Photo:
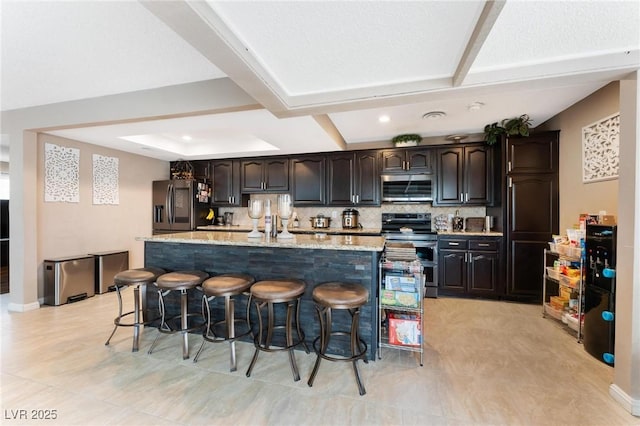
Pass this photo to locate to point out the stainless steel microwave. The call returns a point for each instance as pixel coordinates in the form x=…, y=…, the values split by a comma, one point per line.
x=407, y=188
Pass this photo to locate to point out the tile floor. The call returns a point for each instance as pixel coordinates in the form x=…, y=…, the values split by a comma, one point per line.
x=486, y=363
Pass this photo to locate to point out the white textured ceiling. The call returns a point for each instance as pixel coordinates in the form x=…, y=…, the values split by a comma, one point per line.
x=346, y=61
x=55, y=51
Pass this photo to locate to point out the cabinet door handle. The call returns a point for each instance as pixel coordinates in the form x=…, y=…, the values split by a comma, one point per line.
x=508, y=166
x=357, y=199
x=461, y=197
x=483, y=245
x=453, y=244
x=510, y=182
x=466, y=197
x=408, y=165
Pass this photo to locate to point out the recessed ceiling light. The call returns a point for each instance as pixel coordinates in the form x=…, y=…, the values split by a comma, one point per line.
x=434, y=115
x=456, y=138
x=186, y=138
x=384, y=119
x=475, y=106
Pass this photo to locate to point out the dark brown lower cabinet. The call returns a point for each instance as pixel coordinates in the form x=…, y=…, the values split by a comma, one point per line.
x=469, y=266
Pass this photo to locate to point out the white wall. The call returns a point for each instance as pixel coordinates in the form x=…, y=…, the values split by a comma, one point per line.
x=575, y=196
x=68, y=229
x=20, y=128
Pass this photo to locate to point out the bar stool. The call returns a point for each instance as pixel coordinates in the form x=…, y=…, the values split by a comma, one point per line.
x=137, y=278
x=178, y=281
x=268, y=293
x=227, y=286
x=339, y=295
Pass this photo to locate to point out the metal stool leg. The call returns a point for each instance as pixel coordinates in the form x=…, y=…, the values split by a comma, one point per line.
x=229, y=307
x=206, y=312
x=324, y=341
x=136, y=318
x=355, y=346
x=163, y=324
x=184, y=324
x=116, y=322
x=289, y=337
x=257, y=338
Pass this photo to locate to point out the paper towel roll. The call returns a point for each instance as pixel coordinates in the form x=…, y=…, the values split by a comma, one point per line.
x=488, y=221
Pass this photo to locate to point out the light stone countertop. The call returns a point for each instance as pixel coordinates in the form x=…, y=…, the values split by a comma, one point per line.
x=300, y=241
x=471, y=234
x=300, y=230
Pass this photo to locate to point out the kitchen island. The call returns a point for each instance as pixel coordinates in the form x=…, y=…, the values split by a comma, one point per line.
x=312, y=258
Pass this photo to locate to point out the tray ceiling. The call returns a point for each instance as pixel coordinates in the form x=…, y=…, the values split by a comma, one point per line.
x=334, y=65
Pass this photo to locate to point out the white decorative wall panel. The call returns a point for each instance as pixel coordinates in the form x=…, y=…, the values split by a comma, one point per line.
x=600, y=149
x=105, y=180
x=61, y=174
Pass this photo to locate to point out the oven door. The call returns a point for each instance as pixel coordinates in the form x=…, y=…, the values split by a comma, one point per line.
x=427, y=252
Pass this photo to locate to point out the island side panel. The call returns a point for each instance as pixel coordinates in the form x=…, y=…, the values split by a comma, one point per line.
x=314, y=266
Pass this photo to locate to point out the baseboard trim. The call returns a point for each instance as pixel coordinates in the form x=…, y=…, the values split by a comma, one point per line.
x=628, y=403
x=18, y=307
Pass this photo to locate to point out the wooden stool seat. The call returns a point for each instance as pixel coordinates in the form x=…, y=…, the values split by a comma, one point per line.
x=138, y=278
x=181, y=281
x=226, y=286
x=278, y=291
x=346, y=296
x=339, y=295
x=266, y=294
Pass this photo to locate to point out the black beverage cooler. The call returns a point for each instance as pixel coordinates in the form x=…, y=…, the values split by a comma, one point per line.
x=600, y=297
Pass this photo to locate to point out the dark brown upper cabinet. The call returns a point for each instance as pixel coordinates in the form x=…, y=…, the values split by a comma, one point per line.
x=537, y=154
x=226, y=183
x=464, y=175
x=353, y=179
x=406, y=161
x=307, y=180
x=264, y=175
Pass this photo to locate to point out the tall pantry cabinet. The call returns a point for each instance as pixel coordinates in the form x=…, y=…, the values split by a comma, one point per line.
x=526, y=208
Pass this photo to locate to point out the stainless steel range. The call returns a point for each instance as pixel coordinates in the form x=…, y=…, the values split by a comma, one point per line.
x=416, y=228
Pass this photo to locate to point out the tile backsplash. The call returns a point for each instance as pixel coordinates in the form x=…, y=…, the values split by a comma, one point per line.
x=370, y=217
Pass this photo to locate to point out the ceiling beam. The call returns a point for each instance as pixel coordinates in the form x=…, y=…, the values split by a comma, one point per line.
x=487, y=18
x=330, y=128
x=200, y=26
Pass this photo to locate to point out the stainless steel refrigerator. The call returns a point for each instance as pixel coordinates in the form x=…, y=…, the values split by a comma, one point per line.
x=180, y=205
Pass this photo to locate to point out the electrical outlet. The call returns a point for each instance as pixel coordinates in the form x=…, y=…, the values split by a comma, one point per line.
x=334, y=214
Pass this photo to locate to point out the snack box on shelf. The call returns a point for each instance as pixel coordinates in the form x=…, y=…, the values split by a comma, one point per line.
x=565, y=293
x=566, y=250
x=404, y=329
x=558, y=302
x=572, y=321
x=568, y=281
x=400, y=282
x=553, y=272
x=399, y=298
x=552, y=312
